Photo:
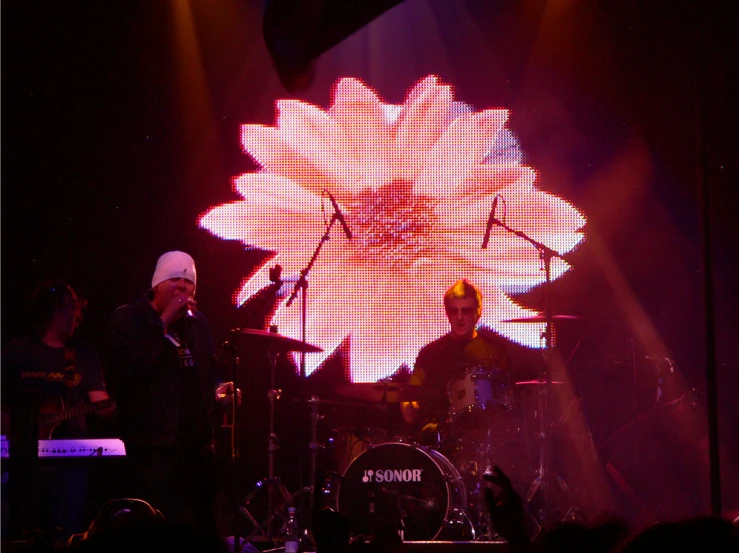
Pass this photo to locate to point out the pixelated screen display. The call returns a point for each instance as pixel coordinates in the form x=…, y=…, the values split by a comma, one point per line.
x=416, y=184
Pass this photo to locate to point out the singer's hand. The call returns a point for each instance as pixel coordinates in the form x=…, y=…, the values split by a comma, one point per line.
x=177, y=308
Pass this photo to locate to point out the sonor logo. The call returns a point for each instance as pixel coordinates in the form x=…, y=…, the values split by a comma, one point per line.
x=392, y=475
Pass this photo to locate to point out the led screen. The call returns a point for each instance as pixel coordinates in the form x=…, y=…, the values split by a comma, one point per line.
x=415, y=184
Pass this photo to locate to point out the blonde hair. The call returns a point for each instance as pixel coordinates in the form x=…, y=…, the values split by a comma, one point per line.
x=463, y=288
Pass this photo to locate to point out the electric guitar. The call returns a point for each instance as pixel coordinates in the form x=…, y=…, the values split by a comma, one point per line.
x=52, y=413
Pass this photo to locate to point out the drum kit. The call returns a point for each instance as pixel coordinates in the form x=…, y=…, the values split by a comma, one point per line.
x=426, y=491
x=429, y=486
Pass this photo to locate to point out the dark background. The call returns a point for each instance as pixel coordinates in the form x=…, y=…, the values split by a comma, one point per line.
x=120, y=125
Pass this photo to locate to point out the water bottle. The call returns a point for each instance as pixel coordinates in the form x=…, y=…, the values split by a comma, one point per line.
x=292, y=536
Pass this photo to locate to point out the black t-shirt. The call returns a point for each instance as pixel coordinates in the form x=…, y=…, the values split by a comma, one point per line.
x=443, y=363
x=29, y=365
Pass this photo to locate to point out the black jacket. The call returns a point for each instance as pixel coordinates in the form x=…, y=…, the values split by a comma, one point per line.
x=147, y=381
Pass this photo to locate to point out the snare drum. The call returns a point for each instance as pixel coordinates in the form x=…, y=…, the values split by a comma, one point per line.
x=416, y=488
x=482, y=399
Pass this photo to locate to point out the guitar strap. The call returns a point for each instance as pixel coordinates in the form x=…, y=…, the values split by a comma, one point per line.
x=69, y=366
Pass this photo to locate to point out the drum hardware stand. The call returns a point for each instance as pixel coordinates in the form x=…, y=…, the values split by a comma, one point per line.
x=232, y=346
x=543, y=478
x=273, y=483
x=573, y=513
x=314, y=444
x=263, y=529
x=461, y=515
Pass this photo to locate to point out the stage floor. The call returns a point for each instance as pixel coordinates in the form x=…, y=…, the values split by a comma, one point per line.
x=442, y=547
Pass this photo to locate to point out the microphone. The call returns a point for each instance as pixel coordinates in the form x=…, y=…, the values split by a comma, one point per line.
x=340, y=216
x=486, y=239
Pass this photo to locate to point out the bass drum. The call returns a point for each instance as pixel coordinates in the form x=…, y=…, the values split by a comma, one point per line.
x=416, y=490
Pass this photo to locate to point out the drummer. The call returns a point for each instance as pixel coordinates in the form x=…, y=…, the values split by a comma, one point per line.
x=449, y=356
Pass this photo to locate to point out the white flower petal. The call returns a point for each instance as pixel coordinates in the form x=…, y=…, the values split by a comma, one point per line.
x=359, y=112
x=457, y=152
x=270, y=149
x=422, y=121
x=311, y=132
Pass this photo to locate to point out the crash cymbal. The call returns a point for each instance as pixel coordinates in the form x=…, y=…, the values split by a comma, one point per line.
x=537, y=382
x=386, y=392
x=276, y=342
x=541, y=318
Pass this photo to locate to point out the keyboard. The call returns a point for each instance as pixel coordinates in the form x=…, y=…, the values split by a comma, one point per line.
x=80, y=448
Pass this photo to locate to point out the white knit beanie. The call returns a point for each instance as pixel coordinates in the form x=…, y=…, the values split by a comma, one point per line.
x=174, y=265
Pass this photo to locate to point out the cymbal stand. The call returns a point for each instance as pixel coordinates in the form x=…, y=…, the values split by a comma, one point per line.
x=541, y=472
x=314, y=444
x=543, y=481
x=273, y=483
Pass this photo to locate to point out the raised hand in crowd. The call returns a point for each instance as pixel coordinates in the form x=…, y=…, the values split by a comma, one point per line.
x=506, y=510
x=331, y=530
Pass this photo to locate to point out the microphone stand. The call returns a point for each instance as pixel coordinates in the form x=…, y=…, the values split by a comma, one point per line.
x=301, y=286
x=546, y=254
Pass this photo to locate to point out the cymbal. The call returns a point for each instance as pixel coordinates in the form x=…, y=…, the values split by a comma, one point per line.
x=537, y=382
x=386, y=392
x=276, y=342
x=541, y=318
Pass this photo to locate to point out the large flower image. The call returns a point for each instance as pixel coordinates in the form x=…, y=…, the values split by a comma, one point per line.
x=415, y=183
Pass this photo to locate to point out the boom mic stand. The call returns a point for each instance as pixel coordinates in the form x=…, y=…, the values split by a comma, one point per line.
x=301, y=287
x=546, y=254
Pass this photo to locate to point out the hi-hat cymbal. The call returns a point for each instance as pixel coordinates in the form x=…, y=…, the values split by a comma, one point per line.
x=541, y=318
x=537, y=382
x=386, y=392
x=276, y=342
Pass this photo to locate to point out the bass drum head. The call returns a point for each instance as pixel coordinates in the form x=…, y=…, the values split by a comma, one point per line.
x=414, y=490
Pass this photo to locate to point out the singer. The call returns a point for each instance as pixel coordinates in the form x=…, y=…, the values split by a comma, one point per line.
x=162, y=373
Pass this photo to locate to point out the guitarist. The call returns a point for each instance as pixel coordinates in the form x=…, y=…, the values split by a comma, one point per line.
x=58, y=372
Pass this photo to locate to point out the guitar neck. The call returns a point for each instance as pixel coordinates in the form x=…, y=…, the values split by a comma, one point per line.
x=75, y=412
